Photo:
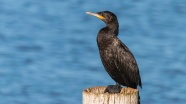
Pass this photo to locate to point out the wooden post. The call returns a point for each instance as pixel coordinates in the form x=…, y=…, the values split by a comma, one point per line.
x=96, y=95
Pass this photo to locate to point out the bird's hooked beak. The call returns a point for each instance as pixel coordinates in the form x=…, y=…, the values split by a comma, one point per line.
x=96, y=15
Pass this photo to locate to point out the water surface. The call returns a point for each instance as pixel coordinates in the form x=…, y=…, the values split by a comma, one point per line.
x=49, y=53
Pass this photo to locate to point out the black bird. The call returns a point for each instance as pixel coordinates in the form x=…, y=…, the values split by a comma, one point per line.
x=117, y=59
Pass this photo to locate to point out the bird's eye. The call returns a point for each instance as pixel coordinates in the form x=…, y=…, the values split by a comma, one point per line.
x=109, y=17
x=102, y=14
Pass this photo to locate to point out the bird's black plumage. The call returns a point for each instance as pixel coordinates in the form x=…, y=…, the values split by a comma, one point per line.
x=117, y=59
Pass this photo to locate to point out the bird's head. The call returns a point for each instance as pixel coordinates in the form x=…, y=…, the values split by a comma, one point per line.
x=106, y=16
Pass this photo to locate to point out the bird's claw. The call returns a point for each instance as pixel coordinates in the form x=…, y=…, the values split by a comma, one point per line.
x=113, y=88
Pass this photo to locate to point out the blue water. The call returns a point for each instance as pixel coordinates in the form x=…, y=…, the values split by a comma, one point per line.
x=49, y=54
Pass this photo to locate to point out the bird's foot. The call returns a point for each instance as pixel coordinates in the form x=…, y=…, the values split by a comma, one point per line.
x=113, y=88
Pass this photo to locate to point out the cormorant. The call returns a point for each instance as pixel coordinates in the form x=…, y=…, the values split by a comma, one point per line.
x=117, y=59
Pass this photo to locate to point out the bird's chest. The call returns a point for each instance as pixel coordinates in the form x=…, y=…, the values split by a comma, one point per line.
x=104, y=42
x=106, y=47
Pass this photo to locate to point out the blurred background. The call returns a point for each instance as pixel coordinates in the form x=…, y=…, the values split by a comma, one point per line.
x=49, y=54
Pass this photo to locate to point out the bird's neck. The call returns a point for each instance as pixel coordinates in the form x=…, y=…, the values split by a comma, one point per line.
x=113, y=28
x=110, y=29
